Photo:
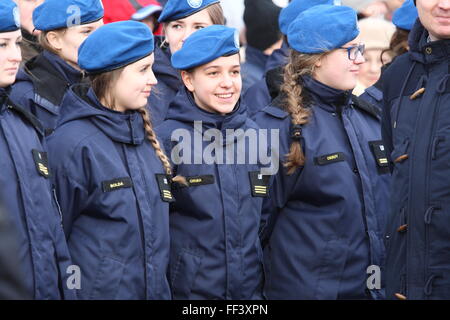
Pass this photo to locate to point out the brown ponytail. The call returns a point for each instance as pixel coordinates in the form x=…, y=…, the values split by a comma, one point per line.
x=299, y=64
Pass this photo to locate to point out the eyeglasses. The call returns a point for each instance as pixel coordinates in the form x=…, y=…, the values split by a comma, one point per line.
x=354, y=50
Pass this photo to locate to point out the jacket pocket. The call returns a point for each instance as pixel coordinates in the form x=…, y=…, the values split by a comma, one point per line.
x=331, y=267
x=107, y=279
x=183, y=273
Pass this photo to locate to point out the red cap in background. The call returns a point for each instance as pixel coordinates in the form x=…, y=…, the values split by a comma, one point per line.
x=120, y=10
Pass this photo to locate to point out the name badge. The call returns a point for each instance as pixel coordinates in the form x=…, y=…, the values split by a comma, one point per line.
x=115, y=184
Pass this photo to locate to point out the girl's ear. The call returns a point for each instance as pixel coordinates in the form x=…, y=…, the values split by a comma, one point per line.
x=188, y=80
x=318, y=63
x=54, y=40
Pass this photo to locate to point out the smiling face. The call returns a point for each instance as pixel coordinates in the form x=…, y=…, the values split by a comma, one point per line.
x=134, y=85
x=67, y=41
x=217, y=85
x=178, y=31
x=10, y=57
x=435, y=17
x=336, y=70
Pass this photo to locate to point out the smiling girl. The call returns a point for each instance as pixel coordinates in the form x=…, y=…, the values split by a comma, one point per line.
x=215, y=249
x=328, y=204
x=64, y=25
x=112, y=177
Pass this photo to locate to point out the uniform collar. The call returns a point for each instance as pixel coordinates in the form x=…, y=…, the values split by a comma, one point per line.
x=328, y=98
x=424, y=51
x=4, y=92
x=125, y=127
x=183, y=108
x=69, y=73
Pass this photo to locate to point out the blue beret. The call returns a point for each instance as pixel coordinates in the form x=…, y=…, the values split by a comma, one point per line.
x=56, y=14
x=323, y=28
x=206, y=45
x=9, y=12
x=405, y=16
x=180, y=9
x=115, y=45
x=295, y=7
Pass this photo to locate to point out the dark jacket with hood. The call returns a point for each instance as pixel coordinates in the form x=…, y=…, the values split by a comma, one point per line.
x=214, y=223
x=26, y=191
x=328, y=217
x=110, y=186
x=41, y=85
x=416, y=124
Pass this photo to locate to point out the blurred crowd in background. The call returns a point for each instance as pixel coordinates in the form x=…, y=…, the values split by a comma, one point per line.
x=260, y=35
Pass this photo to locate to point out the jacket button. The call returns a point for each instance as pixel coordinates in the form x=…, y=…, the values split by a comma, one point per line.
x=402, y=228
x=428, y=50
x=355, y=170
x=400, y=296
x=401, y=158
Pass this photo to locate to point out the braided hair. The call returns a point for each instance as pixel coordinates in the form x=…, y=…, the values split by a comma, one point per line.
x=299, y=64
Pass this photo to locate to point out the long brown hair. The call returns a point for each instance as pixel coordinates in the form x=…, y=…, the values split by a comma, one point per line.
x=102, y=84
x=299, y=64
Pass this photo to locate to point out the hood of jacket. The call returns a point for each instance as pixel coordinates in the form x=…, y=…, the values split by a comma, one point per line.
x=80, y=102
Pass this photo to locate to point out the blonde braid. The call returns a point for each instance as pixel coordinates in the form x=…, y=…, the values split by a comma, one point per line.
x=299, y=65
x=151, y=136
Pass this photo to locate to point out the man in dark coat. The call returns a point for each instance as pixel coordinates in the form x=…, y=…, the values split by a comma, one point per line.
x=416, y=129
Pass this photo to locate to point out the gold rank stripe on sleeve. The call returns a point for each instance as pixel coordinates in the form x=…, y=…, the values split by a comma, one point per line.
x=167, y=194
x=259, y=184
x=165, y=184
x=43, y=169
x=41, y=162
x=260, y=189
